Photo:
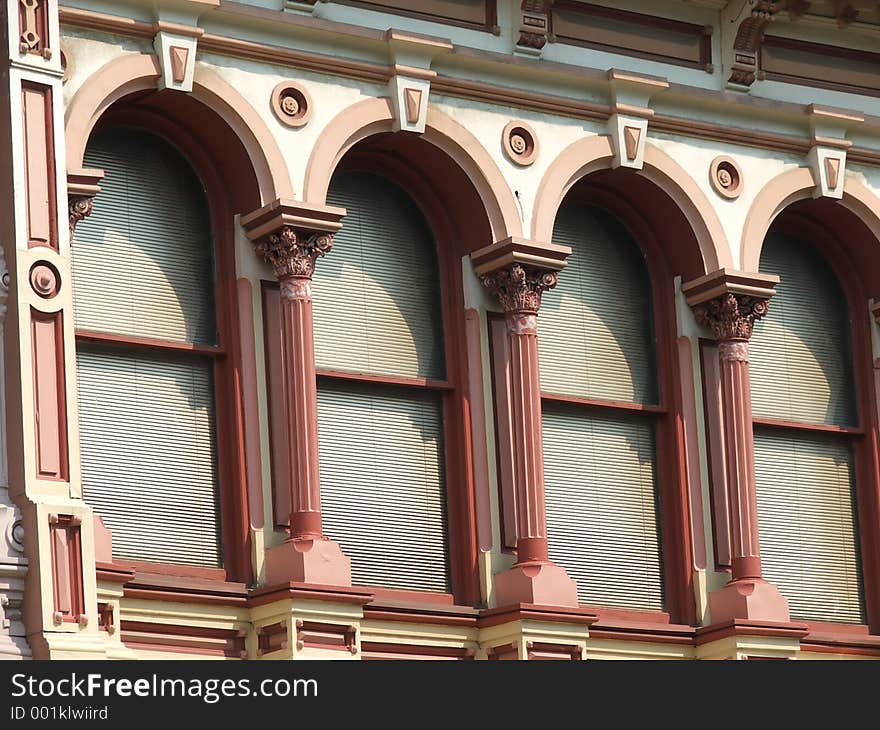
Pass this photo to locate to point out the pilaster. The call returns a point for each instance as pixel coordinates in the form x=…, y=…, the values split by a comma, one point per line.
x=729, y=304
x=518, y=272
x=59, y=609
x=291, y=237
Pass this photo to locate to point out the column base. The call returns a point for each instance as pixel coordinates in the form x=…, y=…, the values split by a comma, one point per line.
x=752, y=599
x=308, y=560
x=545, y=584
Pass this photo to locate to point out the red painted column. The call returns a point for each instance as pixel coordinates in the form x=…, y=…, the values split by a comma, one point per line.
x=534, y=578
x=307, y=555
x=731, y=315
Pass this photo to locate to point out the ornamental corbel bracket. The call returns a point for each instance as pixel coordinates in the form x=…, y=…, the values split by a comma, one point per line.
x=534, y=27
x=745, y=54
x=82, y=187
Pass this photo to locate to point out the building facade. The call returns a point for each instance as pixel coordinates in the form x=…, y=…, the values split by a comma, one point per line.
x=458, y=329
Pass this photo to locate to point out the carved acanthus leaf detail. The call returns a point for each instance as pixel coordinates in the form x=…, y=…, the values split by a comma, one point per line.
x=747, y=44
x=519, y=288
x=78, y=208
x=293, y=253
x=731, y=316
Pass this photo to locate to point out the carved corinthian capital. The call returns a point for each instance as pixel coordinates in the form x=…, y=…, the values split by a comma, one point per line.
x=519, y=288
x=731, y=316
x=730, y=302
x=292, y=253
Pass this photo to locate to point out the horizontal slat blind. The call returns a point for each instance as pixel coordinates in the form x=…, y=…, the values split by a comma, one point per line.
x=602, y=523
x=800, y=364
x=142, y=261
x=382, y=483
x=596, y=329
x=149, y=453
x=376, y=297
x=806, y=517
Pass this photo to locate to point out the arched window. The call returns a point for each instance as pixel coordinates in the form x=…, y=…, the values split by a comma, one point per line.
x=147, y=343
x=805, y=416
x=380, y=356
x=601, y=404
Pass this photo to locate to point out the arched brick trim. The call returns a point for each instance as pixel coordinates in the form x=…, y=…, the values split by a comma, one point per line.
x=788, y=188
x=595, y=153
x=139, y=71
x=374, y=116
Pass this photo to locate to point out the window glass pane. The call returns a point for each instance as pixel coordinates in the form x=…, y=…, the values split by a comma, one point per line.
x=149, y=453
x=377, y=296
x=383, y=486
x=806, y=517
x=596, y=332
x=602, y=505
x=800, y=353
x=142, y=262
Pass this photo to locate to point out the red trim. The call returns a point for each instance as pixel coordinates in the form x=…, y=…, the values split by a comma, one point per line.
x=706, y=634
x=147, y=343
x=43, y=177
x=183, y=639
x=415, y=597
x=144, y=567
x=532, y=612
x=310, y=591
x=386, y=379
x=710, y=368
x=113, y=573
x=598, y=403
x=50, y=395
x=381, y=609
x=489, y=24
x=798, y=426
x=413, y=651
x=644, y=30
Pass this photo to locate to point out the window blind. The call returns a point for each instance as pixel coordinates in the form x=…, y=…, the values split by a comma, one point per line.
x=142, y=263
x=596, y=329
x=376, y=298
x=597, y=342
x=800, y=354
x=382, y=483
x=602, y=508
x=806, y=518
x=149, y=453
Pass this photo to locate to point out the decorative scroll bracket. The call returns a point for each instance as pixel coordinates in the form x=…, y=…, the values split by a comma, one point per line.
x=628, y=123
x=410, y=85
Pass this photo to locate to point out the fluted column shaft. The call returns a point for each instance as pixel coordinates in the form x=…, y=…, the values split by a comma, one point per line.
x=292, y=254
x=739, y=444
x=518, y=272
x=300, y=405
x=531, y=514
x=731, y=318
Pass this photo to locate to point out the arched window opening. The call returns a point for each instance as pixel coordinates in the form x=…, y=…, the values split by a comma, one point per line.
x=805, y=415
x=147, y=342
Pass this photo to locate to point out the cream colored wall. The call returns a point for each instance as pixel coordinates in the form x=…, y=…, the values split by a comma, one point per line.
x=561, y=72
